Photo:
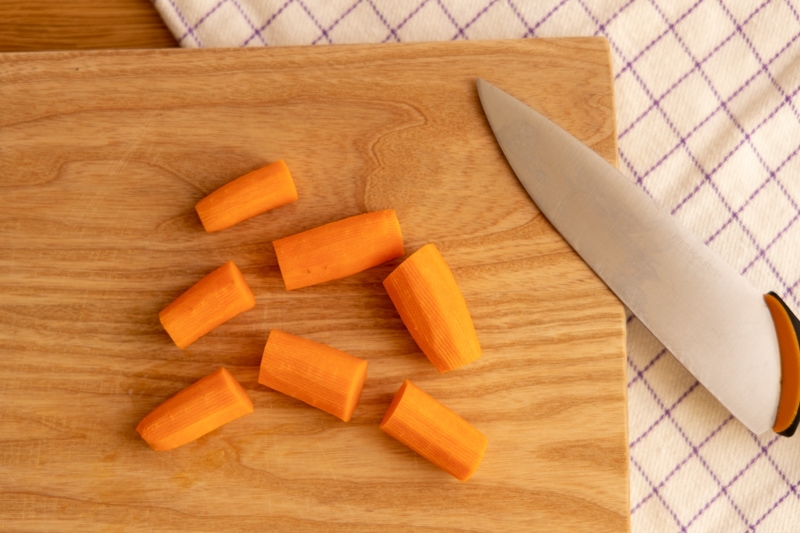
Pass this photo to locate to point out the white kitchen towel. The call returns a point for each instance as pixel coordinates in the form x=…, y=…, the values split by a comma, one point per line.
x=709, y=125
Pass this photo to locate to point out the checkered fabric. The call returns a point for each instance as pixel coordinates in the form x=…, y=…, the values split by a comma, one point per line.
x=707, y=110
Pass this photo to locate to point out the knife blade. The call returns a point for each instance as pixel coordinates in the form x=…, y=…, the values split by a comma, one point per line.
x=740, y=344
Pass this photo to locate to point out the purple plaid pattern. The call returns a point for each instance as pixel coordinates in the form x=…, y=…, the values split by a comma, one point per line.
x=709, y=126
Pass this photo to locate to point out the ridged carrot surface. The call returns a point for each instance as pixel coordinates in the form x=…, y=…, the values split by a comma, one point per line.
x=339, y=249
x=434, y=431
x=428, y=299
x=198, y=409
x=216, y=298
x=314, y=373
x=247, y=196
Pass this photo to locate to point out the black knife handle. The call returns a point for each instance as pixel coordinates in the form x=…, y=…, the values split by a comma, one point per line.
x=787, y=327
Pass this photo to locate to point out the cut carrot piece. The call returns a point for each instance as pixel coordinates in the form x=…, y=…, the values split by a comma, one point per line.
x=339, y=249
x=216, y=298
x=314, y=373
x=198, y=409
x=247, y=196
x=432, y=307
x=435, y=432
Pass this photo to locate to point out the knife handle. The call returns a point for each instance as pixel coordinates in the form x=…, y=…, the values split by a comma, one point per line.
x=787, y=327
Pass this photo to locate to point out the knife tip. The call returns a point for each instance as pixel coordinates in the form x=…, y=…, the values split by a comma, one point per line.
x=483, y=87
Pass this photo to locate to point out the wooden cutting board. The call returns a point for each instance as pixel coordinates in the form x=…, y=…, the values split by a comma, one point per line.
x=102, y=158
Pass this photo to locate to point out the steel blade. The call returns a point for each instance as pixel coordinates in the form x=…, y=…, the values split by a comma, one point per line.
x=706, y=314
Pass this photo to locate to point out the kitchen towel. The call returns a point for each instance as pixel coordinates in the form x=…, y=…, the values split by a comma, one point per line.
x=708, y=117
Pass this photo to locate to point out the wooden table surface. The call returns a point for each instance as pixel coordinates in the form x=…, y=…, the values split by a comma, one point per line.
x=37, y=25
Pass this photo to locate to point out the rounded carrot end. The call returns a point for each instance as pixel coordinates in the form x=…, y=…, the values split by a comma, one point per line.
x=157, y=444
x=447, y=364
x=164, y=446
x=467, y=474
x=181, y=341
x=209, y=225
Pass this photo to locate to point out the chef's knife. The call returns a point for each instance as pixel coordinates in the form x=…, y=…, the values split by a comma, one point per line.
x=740, y=344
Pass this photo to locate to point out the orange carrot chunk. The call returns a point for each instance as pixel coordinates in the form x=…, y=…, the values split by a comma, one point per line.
x=339, y=249
x=198, y=409
x=216, y=298
x=247, y=196
x=432, y=307
x=435, y=432
x=314, y=373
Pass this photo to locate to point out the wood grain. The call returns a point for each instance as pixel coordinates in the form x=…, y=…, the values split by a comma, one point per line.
x=103, y=157
x=38, y=25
